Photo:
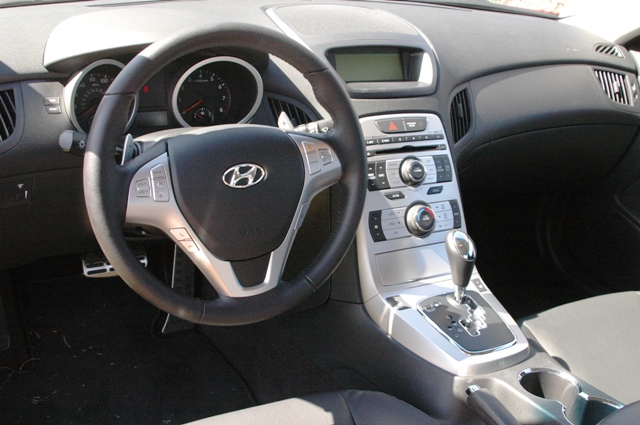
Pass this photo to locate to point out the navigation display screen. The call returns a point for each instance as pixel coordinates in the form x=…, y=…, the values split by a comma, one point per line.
x=369, y=66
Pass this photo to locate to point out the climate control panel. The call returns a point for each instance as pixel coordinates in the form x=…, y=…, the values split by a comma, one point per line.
x=419, y=219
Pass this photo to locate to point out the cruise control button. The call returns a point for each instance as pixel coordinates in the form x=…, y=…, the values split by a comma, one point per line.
x=143, y=188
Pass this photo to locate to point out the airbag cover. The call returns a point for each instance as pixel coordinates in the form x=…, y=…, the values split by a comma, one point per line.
x=237, y=223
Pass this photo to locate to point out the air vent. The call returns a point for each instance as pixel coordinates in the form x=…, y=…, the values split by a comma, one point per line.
x=7, y=114
x=295, y=114
x=609, y=49
x=614, y=85
x=460, y=115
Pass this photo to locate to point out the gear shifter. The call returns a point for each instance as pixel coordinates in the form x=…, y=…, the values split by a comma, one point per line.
x=467, y=320
x=462, y=257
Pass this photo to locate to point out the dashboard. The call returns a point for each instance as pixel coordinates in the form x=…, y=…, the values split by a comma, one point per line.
x=459, y=109
x=510, y=101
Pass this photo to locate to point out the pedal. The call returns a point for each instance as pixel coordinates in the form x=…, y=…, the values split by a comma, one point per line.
x=95, y=264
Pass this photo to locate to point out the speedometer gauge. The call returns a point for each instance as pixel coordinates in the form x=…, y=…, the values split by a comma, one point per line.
x=87, y=88
x=220, y=90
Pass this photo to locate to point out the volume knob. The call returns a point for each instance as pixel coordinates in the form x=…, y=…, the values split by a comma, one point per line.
x=420, y=220
x=412, y=172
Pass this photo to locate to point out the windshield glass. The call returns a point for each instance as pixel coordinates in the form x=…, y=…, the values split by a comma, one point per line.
x=551, y=8
x=560, y=8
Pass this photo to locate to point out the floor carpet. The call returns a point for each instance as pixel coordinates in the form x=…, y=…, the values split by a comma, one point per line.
x=94, y=359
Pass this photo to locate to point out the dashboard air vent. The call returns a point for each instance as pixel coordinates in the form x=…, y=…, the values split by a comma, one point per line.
x=460, y=115
x=7, y=114
x=614, y=85
x=608, y=49
x=295, y=114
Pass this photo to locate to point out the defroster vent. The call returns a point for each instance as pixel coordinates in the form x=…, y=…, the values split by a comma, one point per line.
x=460, y=115
x=295, y=114
x=614, y=85
x=608, y=49
x=7, y=114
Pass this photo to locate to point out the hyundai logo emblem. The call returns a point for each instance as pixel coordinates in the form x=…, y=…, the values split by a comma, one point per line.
x=242, y=176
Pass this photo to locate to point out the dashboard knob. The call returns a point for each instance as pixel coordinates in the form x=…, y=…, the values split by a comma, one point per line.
x=412, y=172
x=420, y=220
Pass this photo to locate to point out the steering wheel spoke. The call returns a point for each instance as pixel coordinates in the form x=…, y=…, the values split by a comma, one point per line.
x=152, y=201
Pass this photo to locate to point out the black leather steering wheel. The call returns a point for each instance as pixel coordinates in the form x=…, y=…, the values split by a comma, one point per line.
x=231, y=196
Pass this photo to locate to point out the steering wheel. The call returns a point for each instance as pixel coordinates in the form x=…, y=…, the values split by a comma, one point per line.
x=232, y=197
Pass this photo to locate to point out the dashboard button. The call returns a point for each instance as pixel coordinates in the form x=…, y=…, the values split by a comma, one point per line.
x=375, y=226
x=381, y=175
x=434, y=190
x=457, y=217
x=415, y=124
x=394, y=195
x=391, y=126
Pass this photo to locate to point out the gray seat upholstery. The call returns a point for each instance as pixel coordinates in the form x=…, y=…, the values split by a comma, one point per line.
x=597, y=339
x=340, y=408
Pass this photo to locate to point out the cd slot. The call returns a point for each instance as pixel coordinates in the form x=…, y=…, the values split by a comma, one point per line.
x=410, y=149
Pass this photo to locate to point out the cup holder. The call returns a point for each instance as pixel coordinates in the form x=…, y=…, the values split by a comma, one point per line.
x=579, y=408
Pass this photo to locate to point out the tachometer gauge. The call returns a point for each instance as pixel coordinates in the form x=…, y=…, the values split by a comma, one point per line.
x=203, y=98
x=218, y=90
x=87, y=88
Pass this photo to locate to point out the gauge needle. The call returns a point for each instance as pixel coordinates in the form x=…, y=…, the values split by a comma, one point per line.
x=93, y=108
x=191, y=107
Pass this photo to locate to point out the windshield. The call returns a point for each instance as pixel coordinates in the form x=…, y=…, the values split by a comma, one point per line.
x=550, y=8
x=545, y=8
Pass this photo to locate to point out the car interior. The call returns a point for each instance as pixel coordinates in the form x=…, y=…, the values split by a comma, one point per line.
x=319, y=212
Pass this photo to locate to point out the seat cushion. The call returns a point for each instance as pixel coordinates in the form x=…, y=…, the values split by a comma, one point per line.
x=340, y=408
x=597, y=339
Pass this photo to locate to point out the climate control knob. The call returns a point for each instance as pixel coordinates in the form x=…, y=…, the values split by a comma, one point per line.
x=420, y=220
x=412, y=172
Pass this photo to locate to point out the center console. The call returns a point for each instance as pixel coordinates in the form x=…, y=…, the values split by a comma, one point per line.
x=420, y=285
x=413, y=203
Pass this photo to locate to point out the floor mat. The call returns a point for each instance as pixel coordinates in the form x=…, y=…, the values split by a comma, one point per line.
x=95, y=360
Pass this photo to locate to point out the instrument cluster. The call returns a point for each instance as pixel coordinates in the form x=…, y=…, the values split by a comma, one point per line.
x=189, y=93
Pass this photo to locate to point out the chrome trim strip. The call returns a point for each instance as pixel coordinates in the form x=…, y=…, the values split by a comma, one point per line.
x=72, y=87
x=458, y=346
x=254, y=72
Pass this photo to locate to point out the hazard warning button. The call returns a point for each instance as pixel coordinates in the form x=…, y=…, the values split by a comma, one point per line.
x=391, y=125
